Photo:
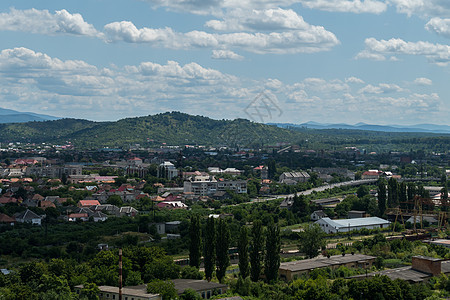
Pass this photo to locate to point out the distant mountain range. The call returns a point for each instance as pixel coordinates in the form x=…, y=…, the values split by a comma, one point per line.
x=13, y=116
x=428, y=128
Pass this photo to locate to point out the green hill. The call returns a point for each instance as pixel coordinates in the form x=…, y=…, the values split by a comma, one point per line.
x=171, y=128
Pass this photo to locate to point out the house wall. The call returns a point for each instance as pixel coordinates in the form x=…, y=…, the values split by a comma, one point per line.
x=426, y=265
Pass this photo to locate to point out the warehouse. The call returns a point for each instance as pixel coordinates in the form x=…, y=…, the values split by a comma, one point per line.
x=346, y=225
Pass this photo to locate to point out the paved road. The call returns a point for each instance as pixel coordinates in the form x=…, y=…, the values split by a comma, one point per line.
x=320, y=189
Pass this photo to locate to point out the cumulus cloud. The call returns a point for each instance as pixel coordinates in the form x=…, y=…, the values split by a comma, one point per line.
x=423, y=81
x=216, y=7
x=439, y=26
x=422, y=8
x=78, y=88
x=354, y=80
x=44, y=22
x=260, y=20
x=226, y=54
x=378, y=49
x=38, y=82
x=351, y=6
x=380, y=88
x=314, y=39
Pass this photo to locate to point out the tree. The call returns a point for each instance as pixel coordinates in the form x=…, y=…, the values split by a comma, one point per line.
x=90, y=291
x=243, y=252
x=195, y=246
x=411, y=190
x=444, y=198
x=210, y=248
x=115, y=200
x=311, y=240
x=190, y=294
x=300, y=206
x=403, y=195
x=271, y=168
x=362, y=191
x=165, y=288
x=272, y=257
x=222, y=245
x=392, y=200
x=255, y=250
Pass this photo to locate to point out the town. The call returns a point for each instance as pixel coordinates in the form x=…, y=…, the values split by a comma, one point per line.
x=216, y=222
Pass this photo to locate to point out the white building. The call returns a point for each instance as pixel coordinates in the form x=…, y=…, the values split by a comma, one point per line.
x=167, y=170
x=346, y=225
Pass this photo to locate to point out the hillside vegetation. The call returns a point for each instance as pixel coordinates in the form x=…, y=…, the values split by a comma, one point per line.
x=175, y=128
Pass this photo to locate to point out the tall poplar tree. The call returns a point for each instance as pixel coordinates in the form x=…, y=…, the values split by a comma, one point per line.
x=273, y=246
x=381, y=196
x=210, y=248
x=243, y=252
x=195, y=242
x=222, y=245
x=392, y=200
x=256, y=250
x=403, y=195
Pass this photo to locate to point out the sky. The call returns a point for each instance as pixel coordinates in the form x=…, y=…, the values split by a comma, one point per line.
x=328, y=61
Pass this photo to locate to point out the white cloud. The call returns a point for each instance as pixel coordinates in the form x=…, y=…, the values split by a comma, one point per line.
x=353, y=80
x=439, y=26
x=37, y=82
x=225, y=54
x=218, y=8
x=260, y=20
x=314, y=39
x=378, y=49
x=423, y=81
x=381, y=88
x=422, y=8
x=43, y=22
x=351, y=6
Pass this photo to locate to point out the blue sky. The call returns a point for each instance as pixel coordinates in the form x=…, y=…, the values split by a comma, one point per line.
x=348, y=61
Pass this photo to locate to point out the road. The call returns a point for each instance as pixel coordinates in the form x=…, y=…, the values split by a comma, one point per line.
x=319, y=189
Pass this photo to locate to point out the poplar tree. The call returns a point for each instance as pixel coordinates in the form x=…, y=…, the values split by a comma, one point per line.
x=243, y=252
x=381, y=196
x=403, y=195
x=210, y=248
x=222, y=245
x=273, y=246
x=256, y=250
x=392, y=200
x=195, y=244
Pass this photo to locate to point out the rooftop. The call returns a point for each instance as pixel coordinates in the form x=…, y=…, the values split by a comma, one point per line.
x=356, y=222
x=323, y=262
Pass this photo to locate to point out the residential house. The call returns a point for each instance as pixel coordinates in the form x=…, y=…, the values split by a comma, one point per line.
x=172, y=205
x=287, y=203
x=7, y=220
x=172, y=226
x=88, y=203
x=317, y=215
x=371, y=174
x=128, y=211
x=294, y=177
x=28, y=217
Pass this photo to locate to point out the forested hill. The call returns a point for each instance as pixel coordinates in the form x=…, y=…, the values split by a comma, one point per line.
x=171, y=128
x=177, y=128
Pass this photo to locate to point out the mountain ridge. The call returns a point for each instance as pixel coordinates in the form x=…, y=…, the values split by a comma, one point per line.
x=425, y=128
